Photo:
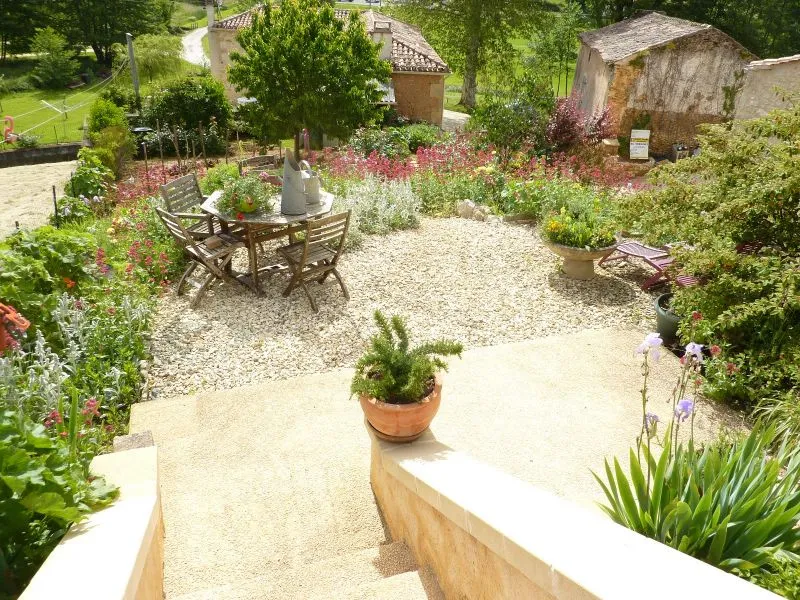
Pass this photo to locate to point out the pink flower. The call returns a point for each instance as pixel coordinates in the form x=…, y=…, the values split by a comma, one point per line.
x=715, y=350
x=697, y=315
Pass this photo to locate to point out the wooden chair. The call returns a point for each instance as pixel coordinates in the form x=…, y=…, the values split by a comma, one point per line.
x=257, y=164
x=213, y=253
x=182, y=198
x=316, y=256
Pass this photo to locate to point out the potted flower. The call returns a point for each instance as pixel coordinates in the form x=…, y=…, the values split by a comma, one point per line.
x=580, y=237
x=399, y=387
x=244, y=195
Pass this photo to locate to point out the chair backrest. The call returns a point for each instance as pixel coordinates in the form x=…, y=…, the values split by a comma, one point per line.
x=176, y=228
x=182, y=195
x=328, y=231
x=257, y=164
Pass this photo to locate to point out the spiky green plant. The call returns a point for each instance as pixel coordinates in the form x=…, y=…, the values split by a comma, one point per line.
x=393, y=373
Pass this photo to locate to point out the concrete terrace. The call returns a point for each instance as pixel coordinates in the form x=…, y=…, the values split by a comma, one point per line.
x=266, y=489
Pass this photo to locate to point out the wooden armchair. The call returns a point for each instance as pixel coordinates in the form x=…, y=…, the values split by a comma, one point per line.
x=257, y=164
x=317, y=255
x=214, y=253
x=182, y=198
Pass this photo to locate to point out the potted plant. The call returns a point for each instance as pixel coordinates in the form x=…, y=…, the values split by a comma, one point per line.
x=244, y=195
x=399, y=387
x=666, y=320
x=580, y=237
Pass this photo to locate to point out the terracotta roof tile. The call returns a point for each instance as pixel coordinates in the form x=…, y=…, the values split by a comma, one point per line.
x=411, y=52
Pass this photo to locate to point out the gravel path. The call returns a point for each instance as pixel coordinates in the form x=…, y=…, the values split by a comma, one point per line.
x=26, y=194
x=480, y=283
x=193, y=51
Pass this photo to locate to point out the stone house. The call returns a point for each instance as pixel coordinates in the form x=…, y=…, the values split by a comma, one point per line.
x=416, y=88
x=672, y=73
x=765, y=85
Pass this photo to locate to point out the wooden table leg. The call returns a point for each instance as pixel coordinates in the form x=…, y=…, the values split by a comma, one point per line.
x=251, y=248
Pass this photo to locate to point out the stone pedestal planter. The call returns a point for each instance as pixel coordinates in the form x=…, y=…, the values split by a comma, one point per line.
x=578, y=262
x=402, y=422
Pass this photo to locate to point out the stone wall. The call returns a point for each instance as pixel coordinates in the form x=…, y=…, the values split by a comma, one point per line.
x=221, y=42
x=43, y=154
x=765, y=82
x=485, y=534
x=592, y=77
x=420, y=96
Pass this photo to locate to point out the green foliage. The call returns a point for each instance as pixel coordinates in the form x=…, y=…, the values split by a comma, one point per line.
x=583, y=229
x=743, y=188
x=71, y=210
x=217, y=177
x=735, y=506
x=56, y=66
x=392, y=372
x=439, y=194
x=389, y=142
x=91, y=178
x=516, y=118
x=104, y=113
x=574, y=214
x=421, y=135
x=555, y=47
x=336, y=92
x=157, y=55
x=187, y=141
x=120, y=95
x=115, y=147
x=781, y=577
x=244, y=195
x=188, y=103
x=44, y=488
x=27, y=141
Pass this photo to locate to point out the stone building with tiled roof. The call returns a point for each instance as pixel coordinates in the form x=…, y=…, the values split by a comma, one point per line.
x=676, y=74
x=416, y=88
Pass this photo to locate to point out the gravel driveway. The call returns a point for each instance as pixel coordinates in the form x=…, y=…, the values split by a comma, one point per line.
x=480, y=283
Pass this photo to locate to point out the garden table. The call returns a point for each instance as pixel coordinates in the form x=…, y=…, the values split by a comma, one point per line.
x=260, y=226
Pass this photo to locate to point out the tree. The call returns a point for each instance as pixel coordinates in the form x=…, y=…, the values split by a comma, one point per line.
x=555, y=47
x=18, y=22
x=308, y=69
x=156, y=55
x=102, y=23
x=472, y=34
x=57, y=65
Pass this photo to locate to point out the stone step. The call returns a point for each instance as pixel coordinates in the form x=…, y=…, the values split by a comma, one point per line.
x=413, y=585
x=330, y=578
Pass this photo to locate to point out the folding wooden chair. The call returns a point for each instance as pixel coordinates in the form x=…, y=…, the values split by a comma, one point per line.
x=316, y=256
x=183, y=198
x=257, y=164
x=213, y=253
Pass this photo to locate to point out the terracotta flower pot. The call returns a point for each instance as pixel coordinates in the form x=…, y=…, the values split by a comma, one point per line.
x=579, y=262
x=402, y=422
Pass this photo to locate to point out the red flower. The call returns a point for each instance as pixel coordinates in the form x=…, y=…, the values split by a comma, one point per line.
x=240, y=216
x=715, y=350
x=111, y=310
x=697, y=316
x=68, y=282
x=731, y=368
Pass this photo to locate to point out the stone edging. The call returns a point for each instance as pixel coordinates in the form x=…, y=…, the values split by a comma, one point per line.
x=487, y=534
x=120, y=549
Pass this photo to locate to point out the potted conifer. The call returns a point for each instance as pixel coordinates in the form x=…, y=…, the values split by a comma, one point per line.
x=399, y=387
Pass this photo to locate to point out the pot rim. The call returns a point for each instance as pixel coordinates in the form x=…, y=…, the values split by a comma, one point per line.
x=579, y=249
x=437, y=388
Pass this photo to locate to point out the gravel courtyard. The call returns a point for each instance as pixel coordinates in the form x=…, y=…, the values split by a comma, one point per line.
x=480, y=283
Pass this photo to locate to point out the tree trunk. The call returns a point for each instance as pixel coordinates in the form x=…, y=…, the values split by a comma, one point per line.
x=98, y=53
x=469, y=91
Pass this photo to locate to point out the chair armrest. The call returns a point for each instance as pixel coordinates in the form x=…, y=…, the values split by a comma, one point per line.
x=198, y=216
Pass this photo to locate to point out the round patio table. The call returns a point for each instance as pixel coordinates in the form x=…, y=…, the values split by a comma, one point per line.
x=261, y=226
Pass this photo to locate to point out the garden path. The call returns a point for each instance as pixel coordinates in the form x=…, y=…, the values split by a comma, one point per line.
x=483, y=284
x=266, y=490
x=454, y=121
x=193, y=47
x=26, y=194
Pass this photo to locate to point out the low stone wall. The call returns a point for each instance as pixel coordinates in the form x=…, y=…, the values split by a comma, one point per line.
x=37, y=156
x=118, y=552
x=487, y=535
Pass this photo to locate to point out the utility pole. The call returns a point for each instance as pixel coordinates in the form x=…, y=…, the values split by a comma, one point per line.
x=134, y=71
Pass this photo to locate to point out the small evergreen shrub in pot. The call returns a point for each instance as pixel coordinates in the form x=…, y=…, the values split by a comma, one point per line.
x=399, y=388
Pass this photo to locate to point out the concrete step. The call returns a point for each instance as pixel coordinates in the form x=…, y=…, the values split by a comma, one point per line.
x=328, y=579
x=413, y=585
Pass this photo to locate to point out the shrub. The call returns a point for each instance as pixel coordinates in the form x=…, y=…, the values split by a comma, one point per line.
x=392, y=372
x=91, y=178
x=44, y=488
x=439, y=194
x=378, y=207
x=55, y=67
x=390, y=143
x=187, y=141
x=218, y=176
x=72, y=209
x=120, y=95
x=115, y=147
x=570, y=127
x=421, y=135
x=582, y=230
x=104, y=113
x=28, y=141
x=188, y=103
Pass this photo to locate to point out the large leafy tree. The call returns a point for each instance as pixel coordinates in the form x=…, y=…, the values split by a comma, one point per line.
x=472, y=34
x=308, y=69
x=102, y=23
x=555, y=47
x=18, y=22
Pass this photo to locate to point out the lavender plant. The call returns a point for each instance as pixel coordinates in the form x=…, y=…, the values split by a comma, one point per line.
x=735, y=505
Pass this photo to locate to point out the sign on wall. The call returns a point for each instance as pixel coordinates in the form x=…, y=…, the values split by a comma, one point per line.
x=640, y=144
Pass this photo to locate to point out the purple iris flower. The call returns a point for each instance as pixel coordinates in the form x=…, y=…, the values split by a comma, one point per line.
x=650, y=422
x=652, y=342
x=684, y=409
x=696, y=350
